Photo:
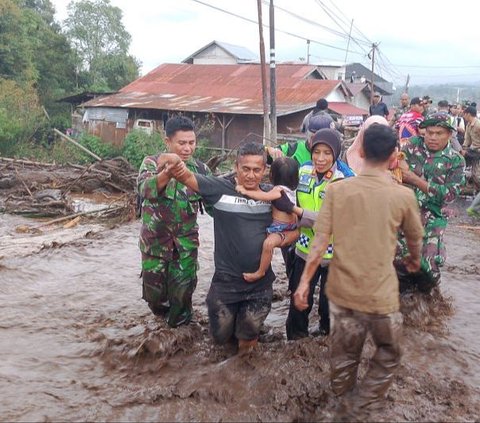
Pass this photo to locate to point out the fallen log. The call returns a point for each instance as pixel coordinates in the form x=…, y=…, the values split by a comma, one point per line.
x=26, y=162
x=72, y=216
x=81, y=147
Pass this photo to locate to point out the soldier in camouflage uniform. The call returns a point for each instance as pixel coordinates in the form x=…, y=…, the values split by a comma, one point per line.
x=436, y=172
x=169, y=232
x=399, y=111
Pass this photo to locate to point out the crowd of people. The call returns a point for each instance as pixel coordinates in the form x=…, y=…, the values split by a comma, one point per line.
x=342, y=219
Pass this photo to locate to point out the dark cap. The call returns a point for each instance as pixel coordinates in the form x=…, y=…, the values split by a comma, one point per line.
x=329, y=137
x=320, y=121
x=438, y=119
x=415, y=100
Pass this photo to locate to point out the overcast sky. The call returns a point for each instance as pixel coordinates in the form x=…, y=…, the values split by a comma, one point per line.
x=432, y=41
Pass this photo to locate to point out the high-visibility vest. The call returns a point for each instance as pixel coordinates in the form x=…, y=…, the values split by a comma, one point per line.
x=310, y=195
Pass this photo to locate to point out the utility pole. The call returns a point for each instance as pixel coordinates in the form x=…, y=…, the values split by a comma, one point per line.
x=348, y=42
x=266, y=126
x=374, y=47
x=308, y=52
x=273, y=78
x=407, y=83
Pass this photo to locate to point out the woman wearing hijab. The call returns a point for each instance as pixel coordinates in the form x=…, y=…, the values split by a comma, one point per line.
x=314, y=178
x=353, y=158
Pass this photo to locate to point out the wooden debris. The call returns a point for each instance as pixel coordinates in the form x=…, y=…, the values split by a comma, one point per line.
x=81, y=147
x=72, y=223
x=22, y=183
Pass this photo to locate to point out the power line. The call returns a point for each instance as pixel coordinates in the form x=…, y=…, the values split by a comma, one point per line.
x=276, y=29
x=383, y=60
x=438, y=67
x=347, y=22
x=329, y=14
x=384, y=63
x=302, y=18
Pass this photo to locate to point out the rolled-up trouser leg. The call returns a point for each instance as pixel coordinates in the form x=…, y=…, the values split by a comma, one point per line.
x=386, y=331
x=348, y=336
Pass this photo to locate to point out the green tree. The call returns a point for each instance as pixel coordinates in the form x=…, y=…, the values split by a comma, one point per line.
x=101, y=42
x=15, y=50
x=52, y=55
x=20, y=115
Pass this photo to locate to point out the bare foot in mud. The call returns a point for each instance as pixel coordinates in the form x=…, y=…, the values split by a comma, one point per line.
x=253, y=277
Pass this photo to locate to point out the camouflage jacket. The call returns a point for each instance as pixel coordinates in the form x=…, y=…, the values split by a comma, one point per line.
x=445, y=173
x=169, y=217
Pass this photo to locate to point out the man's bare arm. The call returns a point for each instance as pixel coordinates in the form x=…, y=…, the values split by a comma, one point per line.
x=412, y=261
x=184, y=175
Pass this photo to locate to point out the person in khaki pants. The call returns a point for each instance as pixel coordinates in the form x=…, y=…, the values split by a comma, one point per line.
x=364, y=214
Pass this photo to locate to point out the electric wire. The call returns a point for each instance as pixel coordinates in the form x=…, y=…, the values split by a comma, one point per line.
x=276, y=29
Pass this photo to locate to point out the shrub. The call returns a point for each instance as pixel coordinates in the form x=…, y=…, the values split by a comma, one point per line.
x=138, y=145
x=98, y=147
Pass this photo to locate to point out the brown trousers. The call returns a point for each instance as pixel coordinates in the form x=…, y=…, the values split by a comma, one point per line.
x=349, y=332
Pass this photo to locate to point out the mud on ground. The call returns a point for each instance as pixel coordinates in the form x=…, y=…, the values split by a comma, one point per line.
x=78, y=343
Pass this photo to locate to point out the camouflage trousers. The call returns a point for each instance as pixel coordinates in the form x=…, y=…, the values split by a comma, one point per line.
x=434, y=255
x=349, y=332
x=168, y=285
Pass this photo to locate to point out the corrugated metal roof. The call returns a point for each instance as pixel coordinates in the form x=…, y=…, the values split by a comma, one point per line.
x=356, y=87
x=241, y=54
x=346, y=109
x=220, y=89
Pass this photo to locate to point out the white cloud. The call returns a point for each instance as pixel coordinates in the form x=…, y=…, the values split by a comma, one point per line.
x=411, y=32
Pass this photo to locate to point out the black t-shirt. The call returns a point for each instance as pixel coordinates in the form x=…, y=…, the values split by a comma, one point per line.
x=379, y=109
x=239, y=224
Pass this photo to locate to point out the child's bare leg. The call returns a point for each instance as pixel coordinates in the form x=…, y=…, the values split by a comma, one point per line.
x=271, y=241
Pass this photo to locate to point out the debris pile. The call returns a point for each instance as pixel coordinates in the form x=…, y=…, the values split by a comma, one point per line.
x=44, y=189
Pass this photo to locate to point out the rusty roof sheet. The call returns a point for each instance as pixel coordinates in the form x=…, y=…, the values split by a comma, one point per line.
x=346, y=109
x=232, y=89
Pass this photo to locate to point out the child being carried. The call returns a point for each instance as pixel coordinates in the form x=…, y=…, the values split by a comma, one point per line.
x=283, y=230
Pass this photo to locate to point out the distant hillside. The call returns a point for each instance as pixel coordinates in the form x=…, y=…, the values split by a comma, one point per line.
x=450, y=92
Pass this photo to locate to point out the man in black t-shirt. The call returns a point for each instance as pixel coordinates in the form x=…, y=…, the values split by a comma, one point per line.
x=378, y=107
x=237, y=308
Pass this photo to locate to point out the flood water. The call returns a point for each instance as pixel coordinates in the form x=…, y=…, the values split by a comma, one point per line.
x=78, y=343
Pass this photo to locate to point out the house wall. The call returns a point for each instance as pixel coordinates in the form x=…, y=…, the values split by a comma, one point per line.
x=333, y=72
x=108, y=123
x=214, y=55
x=361, y=100
x=337, y=95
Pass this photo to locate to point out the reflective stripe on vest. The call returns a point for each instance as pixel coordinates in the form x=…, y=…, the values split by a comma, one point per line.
x=310, y=195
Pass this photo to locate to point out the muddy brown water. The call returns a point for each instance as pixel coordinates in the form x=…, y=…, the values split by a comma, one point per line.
x=78, y=343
